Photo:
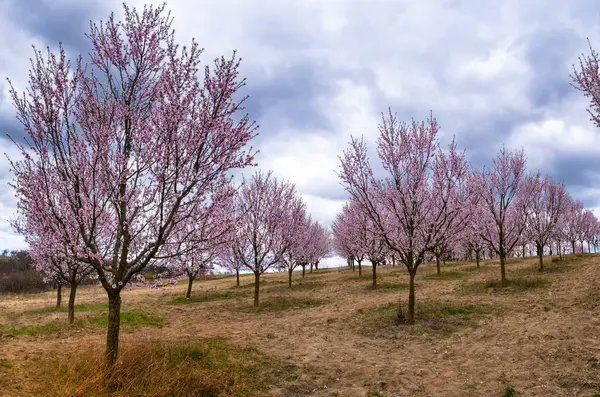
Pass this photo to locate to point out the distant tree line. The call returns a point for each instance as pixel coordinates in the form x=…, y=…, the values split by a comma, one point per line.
x=17, y=273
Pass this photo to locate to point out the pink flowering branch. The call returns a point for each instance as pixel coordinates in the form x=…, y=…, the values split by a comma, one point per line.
x=122, y=152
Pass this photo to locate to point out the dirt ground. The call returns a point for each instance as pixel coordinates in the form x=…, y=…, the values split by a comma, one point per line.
x=543, y=341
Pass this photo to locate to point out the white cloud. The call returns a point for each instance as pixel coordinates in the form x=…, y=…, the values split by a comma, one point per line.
x=8, y=205
x=549, y=138
x=322, y=209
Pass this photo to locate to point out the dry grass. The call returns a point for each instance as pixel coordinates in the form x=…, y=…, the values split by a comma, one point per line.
x=446, y=275
x=280, y=304
x=431, y=318
x=63, y=309
x=512, y=285
x=204, y=367
x=211, y=296
x=331, y=334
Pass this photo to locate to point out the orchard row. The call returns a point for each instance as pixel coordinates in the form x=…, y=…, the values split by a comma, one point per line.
x=127, y=161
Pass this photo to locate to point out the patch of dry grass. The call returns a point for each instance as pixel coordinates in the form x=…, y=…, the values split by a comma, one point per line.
x=388, y=287
x=445, y=275
x=513, y=285
x=281, y=303
x=431, y=318
x=296, y=286
x=212, y=296
x=204, y=367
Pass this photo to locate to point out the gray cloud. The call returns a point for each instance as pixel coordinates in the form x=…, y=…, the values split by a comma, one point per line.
x=55, y=21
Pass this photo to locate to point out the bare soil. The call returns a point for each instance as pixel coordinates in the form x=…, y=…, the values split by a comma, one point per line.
x=468, y=340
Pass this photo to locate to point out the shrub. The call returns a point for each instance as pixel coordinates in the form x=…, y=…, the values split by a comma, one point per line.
x=21, y=281
x=509, y=391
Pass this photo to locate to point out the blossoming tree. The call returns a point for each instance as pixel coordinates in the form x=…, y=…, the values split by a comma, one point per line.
x=421, y=198
x=124, y=150
x=265, y=208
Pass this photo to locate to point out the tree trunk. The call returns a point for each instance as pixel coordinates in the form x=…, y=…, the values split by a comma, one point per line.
x=114, y=325
x=311, y=266
x=523, y=250
x=188, y=294
x=502, y=270
x=559, y=251
x=316, y=265
x=540, y=250
x=237, y=277
x=410, y=318
x=477, y=258
x=437, y=264
x=58, y=294
x=573, y=244
x=303, y=270
x=256, y=288
x=353, y=268
x=589, y=250
x=290, y=277
x=393, y=261
x=71, y=307
x=374, y=274
x=359, y=269
x=582, y=247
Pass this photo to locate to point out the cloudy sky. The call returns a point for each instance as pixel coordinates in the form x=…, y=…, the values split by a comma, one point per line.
x=493, y=72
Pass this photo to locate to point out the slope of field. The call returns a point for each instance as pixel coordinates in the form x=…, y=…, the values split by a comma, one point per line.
x=332, y=335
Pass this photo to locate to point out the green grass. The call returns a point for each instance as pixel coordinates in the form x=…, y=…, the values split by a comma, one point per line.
x=514, y=285
x=446, y=275
x=37, y=329
x=63, y=309
x=509, y=391
x=211, y=296
x=431, y=318
x=281, y=304
x=127, y=318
